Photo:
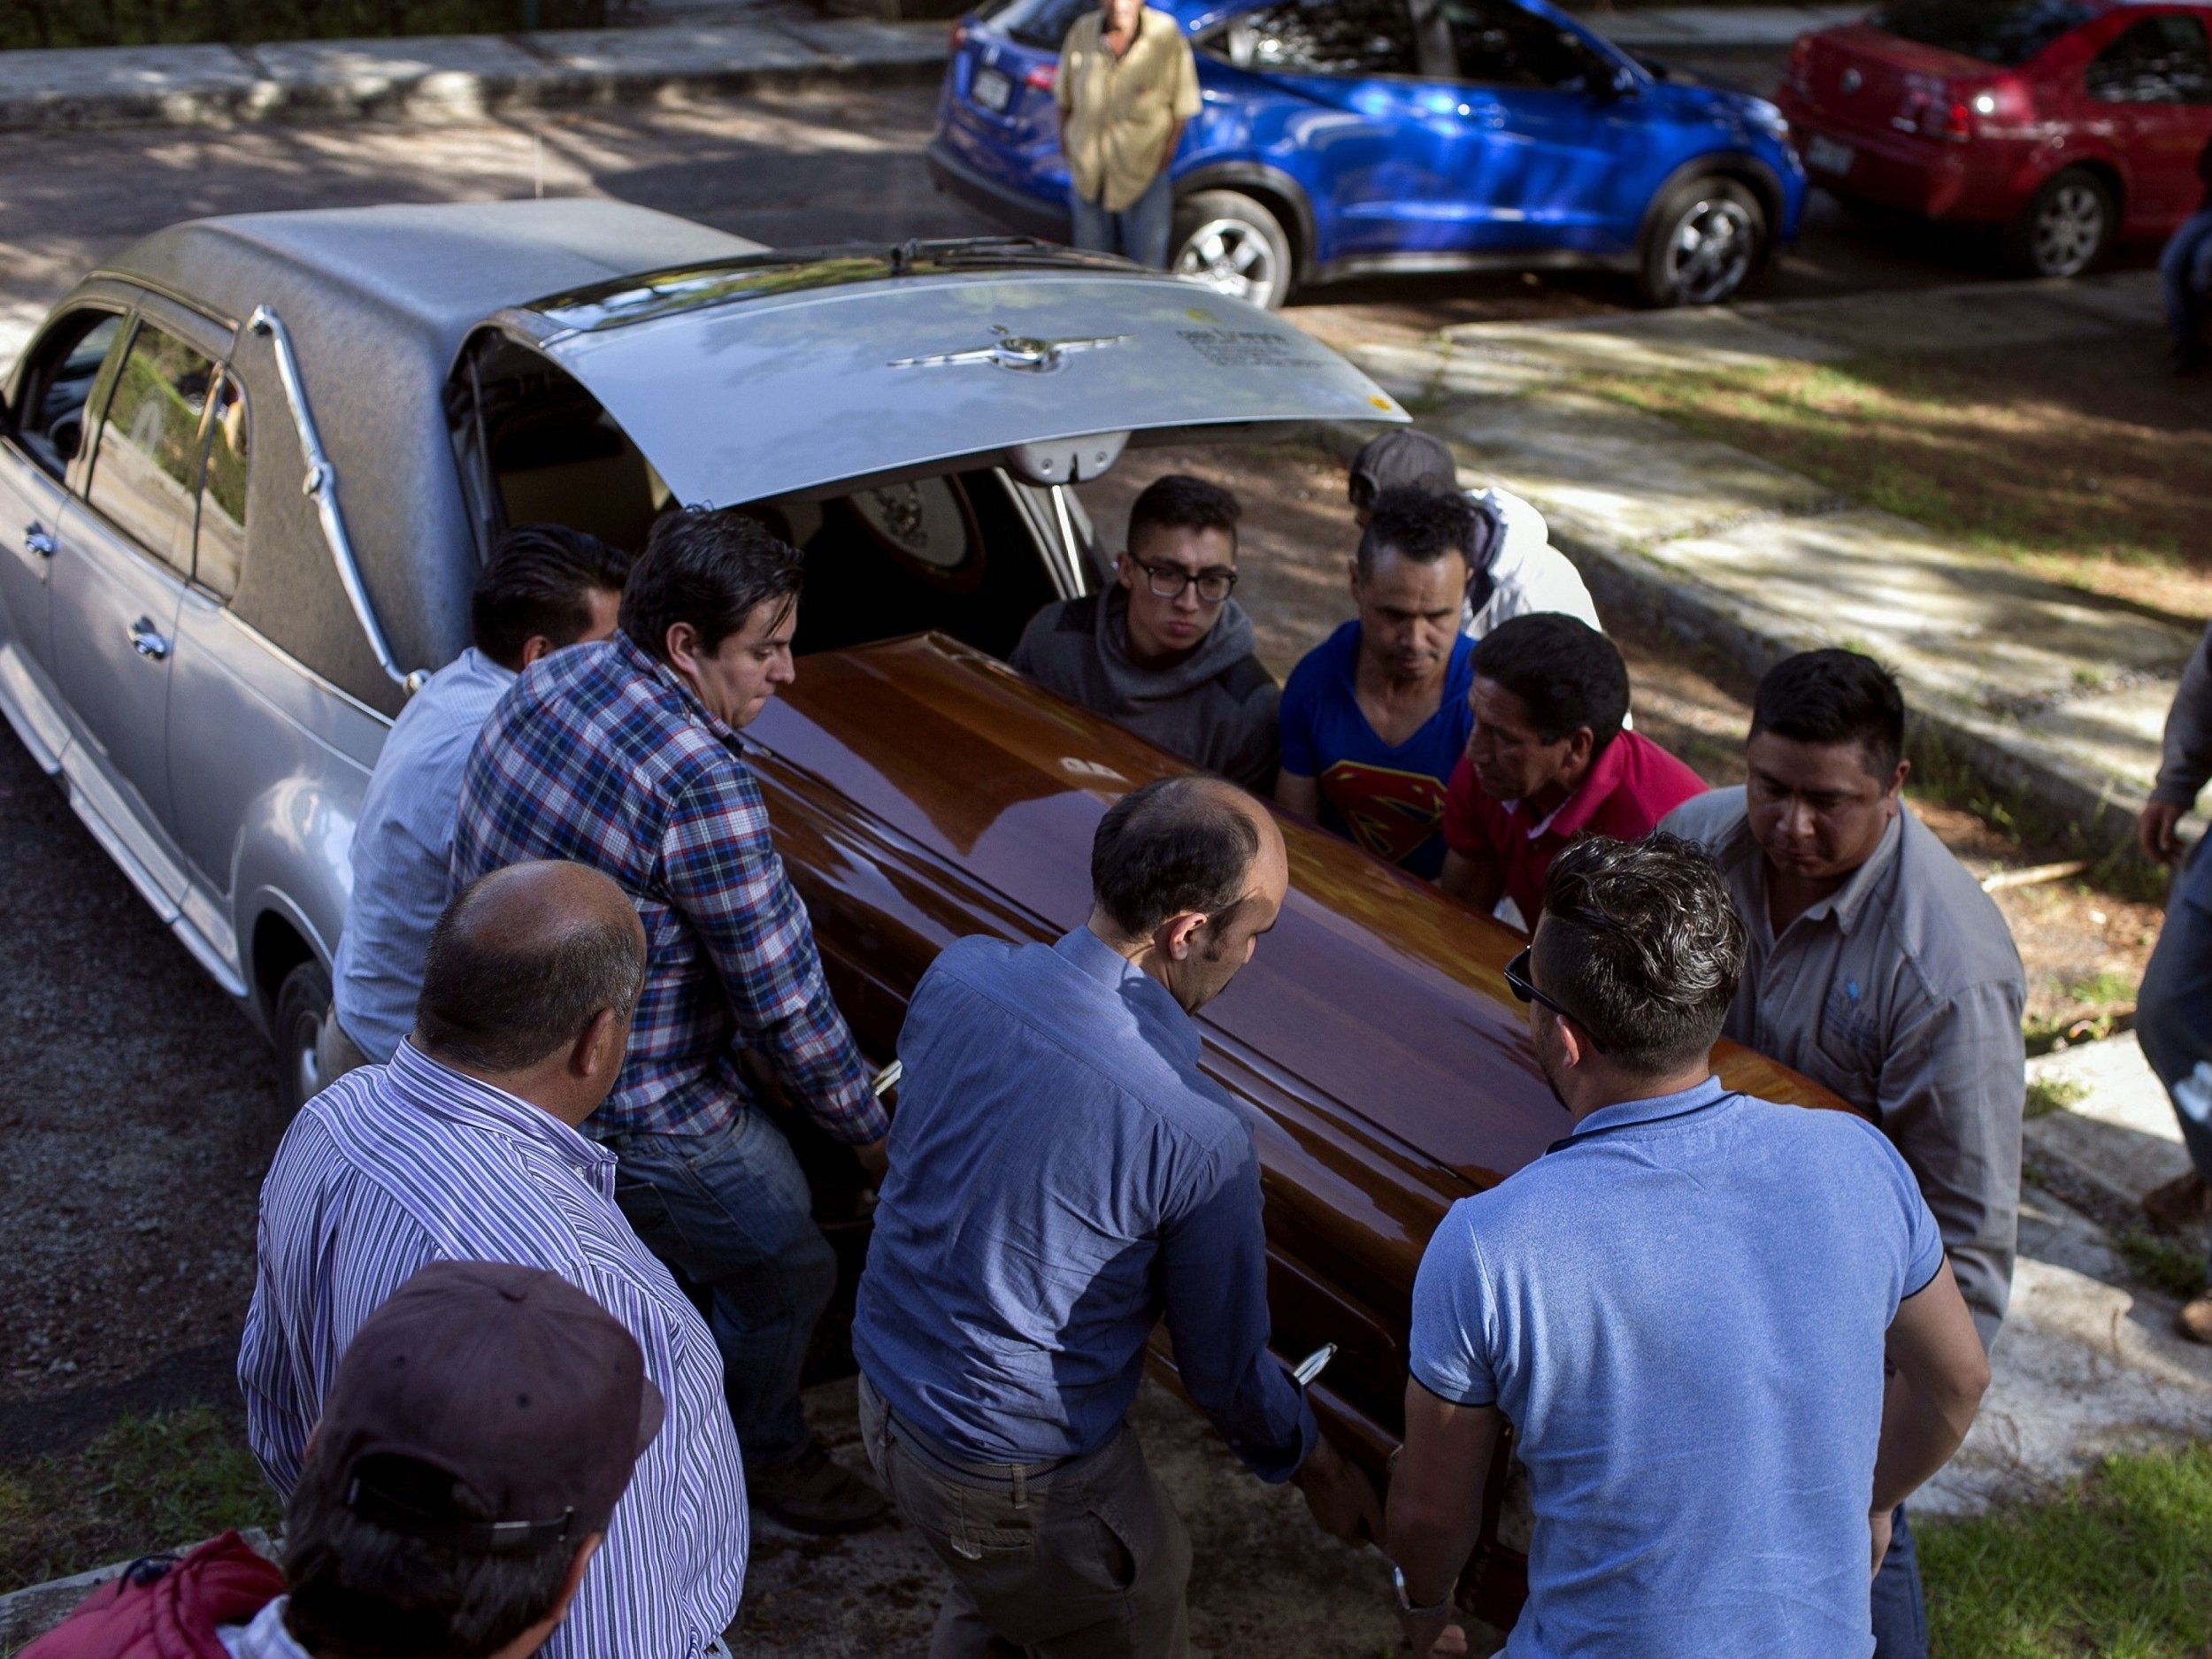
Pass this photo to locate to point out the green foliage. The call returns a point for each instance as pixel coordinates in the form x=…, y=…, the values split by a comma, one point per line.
x=2162, y=1263
x=147, y=1484
x=34, y=23
x=2118, y=1566
x=2048, y=1094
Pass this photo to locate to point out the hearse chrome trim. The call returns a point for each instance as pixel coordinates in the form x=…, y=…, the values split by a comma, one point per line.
x=1014, y=351
x=320, y=485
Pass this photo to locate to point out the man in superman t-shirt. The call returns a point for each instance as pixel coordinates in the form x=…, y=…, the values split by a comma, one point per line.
x=1375, y=717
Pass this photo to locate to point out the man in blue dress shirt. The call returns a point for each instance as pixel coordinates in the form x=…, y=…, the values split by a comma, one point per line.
x=544, y=587
x=1062, y=1174
x=1686, y=1308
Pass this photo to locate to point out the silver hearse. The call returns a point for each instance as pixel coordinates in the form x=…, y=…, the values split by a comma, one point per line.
x=251, y=466
x=250, y=469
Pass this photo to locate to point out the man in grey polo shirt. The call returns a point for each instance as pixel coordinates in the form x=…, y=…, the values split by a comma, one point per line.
x=1685, y=1308
x=1878, y=967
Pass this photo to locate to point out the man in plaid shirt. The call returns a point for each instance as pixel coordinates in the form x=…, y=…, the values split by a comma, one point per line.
x=626, y=756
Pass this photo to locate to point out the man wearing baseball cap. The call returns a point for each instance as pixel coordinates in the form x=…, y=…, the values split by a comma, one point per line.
x=1513, y=569
x=478, y=1435
x=465, y=1148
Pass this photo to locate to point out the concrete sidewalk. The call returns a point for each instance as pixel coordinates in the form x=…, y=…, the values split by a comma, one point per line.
x=453, y=77
x=691, y=47
x=2044, y=691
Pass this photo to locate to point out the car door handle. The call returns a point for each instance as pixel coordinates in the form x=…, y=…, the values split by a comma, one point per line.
x=146, y=641
x=38, y=540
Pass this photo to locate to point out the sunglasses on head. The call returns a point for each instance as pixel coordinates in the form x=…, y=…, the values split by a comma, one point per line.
x=1516, y=979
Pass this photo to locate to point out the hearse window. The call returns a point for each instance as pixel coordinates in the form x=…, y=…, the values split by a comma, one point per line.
x=51, y=423
x=222, y=539
x=2158, y=60
x=147, y=469
x=1321, y=37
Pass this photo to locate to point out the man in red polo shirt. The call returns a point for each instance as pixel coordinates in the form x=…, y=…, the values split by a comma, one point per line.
x=1548, y=762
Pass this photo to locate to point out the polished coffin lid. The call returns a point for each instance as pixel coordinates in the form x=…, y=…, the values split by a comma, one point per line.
x=1373, y=991
x=768, y=381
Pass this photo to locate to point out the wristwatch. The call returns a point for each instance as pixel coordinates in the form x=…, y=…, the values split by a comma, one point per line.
x=1406, y=1610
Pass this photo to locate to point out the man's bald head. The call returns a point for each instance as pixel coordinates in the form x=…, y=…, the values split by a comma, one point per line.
x=521, y=963
x=1178, y=845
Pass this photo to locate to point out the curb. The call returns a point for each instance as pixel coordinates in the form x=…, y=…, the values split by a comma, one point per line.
x=449, y=78
x=1940, y=739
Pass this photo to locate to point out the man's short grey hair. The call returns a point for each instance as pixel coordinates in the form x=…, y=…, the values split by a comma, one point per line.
x=502, y=992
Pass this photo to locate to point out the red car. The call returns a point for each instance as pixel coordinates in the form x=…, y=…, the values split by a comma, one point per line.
x=2067, y=123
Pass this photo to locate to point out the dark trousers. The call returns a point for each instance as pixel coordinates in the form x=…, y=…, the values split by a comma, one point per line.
x=1086, y=1559
x=2173, y=1012
x=1139, y=232
x=2185, y=272
x=730, y=1214
x=1900, y=1618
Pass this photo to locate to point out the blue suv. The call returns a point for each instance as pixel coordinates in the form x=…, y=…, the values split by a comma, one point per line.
x=1346, y=138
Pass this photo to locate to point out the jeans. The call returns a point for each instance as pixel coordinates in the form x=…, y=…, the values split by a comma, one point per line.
x=2185, y=270
x=1900, y=1619
x=2173, y=1010
x=1139, y=232
x=1085, y=1559
x=730, y=1214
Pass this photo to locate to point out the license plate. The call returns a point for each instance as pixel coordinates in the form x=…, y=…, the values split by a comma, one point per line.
x=1825, y=154
x=991, y=90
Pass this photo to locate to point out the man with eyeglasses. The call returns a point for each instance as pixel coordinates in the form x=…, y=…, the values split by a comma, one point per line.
x=1878, y=967
x=1166, y=651
x=1723, y=1330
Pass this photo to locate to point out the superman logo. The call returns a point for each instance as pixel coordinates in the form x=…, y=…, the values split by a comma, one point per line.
x=1388, y=812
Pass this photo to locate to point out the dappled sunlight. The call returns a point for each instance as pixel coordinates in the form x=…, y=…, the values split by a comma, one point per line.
x=2098, y=479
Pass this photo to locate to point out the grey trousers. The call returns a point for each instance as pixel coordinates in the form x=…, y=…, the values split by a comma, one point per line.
x=334, y=1053
x=1082, y=1560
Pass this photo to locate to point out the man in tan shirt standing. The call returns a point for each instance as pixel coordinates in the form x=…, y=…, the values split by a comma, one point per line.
x=1127, y=83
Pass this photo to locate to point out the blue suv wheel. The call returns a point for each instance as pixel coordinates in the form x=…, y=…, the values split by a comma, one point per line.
x=1225, y=240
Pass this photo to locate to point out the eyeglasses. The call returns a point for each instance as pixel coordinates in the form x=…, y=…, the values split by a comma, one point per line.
x=1518, y=982
x=1167, y=582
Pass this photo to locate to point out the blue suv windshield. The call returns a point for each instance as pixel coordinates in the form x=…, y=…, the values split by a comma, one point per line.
x=1042, y=24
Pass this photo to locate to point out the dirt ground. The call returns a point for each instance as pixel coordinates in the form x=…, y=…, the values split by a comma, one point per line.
x=2084, y=948
x=2083, y=460
x=127, y=1196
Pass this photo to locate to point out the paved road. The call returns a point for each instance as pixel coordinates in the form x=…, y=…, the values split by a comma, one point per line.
x=785, y=169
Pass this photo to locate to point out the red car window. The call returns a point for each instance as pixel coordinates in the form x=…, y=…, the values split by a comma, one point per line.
x=2158, y=60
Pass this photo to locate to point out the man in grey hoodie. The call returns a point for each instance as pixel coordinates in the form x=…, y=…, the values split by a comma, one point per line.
x=1165, y=651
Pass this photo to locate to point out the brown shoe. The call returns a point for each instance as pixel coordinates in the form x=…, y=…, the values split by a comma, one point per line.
x=2195, y=1320
x=814, y=1493
x=2182, y=1201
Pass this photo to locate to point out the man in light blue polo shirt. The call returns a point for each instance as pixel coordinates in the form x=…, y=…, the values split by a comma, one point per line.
x=1685, y=1308
x=544, y=587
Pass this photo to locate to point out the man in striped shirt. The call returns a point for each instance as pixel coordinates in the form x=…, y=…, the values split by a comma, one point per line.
x=626, y=756
x=465, y=1147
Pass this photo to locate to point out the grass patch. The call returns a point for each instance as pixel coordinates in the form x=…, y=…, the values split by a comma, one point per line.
x=1951, y=440
x=146, y=1484
x=2119, y=1566
x=45, y=23
x=2162, y=1263
x=2048, y=1094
